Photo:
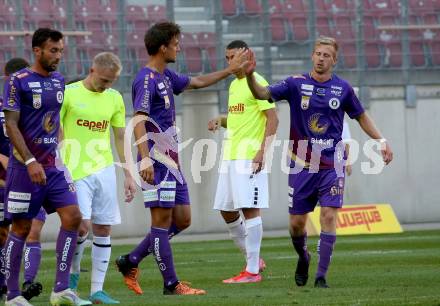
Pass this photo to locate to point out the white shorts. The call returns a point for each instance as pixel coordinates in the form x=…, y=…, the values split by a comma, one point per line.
x=97, y=197
x=238, y=188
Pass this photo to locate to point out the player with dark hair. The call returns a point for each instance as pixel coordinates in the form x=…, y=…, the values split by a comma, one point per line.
x=242, y=185
x=318, y=101
x=165, y=190
x=32, y=102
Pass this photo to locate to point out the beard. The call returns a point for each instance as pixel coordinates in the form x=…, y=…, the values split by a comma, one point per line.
x=49, y=66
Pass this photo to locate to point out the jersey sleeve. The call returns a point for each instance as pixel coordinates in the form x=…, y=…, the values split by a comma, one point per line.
x=11, y=96
x=352, y=105
x=179, y=81
x=280, y=91
x=118, y=118
x=142, y=94
x=263, y=104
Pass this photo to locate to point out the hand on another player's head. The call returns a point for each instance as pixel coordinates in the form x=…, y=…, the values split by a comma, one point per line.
x=250, y=64
x=237, y=62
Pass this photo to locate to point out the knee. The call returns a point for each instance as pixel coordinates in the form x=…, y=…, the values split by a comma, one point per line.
x=328, y=219
x=297, y=229
x=72, y=220
x=183, y=223
x=21, y=228
x=3, y=234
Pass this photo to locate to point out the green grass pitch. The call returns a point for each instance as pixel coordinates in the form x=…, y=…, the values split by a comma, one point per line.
x=399, y=269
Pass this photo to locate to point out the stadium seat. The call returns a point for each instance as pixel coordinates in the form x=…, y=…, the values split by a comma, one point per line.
x=276, y=19
x=156, y=13
x=207, y=41
x=229, y=8
x=372, y=54
x=252, y=8
x=343, y=28
x=348, y=51
x=192, y=53
x=8, y=16
x=296, y=16
x=136, y=18
x=323, y=26
x=137, y=55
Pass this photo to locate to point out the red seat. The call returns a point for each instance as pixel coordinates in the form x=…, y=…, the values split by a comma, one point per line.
x=192, y=53
x=343, y=28
x=348, y=51
x=323, y=26
x=136, y=18
x=229, y=8
x=372, y=54
x=252, y=8
x=136, y=52
x=296, y=16
x=276, y=19
x=207, y=41
x=156, y=13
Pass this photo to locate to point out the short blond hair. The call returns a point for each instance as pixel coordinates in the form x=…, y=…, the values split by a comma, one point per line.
x=327, y=41
x=107, y=60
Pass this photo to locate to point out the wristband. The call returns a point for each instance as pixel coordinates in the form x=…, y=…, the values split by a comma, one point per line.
x=30, y=160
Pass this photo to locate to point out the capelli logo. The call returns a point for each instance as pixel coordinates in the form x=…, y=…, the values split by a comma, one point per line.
x=236, y=109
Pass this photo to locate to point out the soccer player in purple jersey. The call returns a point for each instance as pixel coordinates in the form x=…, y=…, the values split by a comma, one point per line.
x=318, y=101
x=32, y=102
x=11, y=66
x=32, y=251
x=167, y=196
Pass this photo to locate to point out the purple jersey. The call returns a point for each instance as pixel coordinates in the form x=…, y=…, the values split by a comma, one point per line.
x=152, y=94
x=38, y=99
x=4, y=140
x=316, y=117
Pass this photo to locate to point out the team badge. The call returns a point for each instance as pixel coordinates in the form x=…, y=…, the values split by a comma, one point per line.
x=167, y=102
x=36, y=101
x=60, y=97
x=334, y=103
x=305, y=102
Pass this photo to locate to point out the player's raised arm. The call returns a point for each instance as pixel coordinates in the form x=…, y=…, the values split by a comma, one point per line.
x=35, y=170
x=212, y=78
x=367, y=124
x=258, y=91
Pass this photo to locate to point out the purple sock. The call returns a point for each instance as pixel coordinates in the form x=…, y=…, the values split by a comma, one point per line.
x=32, y=259
x=300, y=245
x=325, y=249
x=163, y=255
x=65, y=248
x=13, y=255
x=2, y=266
x=144, y=248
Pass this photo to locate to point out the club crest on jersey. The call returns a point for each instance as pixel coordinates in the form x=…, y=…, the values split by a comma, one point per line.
x=305, y=102
x=60, y=97
x=36, y=101
x=167, y=102
x=334, y=103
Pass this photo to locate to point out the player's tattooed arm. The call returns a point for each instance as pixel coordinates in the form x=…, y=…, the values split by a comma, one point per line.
x=209, y=79
x=369, y=127
x=35, y=170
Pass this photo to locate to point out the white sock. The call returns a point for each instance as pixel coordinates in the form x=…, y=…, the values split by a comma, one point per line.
x=101, y=251
x=237, y=231
x=77, y=256
x=254, y=229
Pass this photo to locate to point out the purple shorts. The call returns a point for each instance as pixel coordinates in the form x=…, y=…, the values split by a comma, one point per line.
x=5, y=218
x=306, y=189
x=168, y=190
x=25, y=199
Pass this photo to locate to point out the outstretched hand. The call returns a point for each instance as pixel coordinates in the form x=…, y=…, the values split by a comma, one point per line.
x=387, y=153
x=250, y=63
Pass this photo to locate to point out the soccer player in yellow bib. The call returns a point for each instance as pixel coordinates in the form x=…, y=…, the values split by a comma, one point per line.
x=90, y=108
x=242, y=184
